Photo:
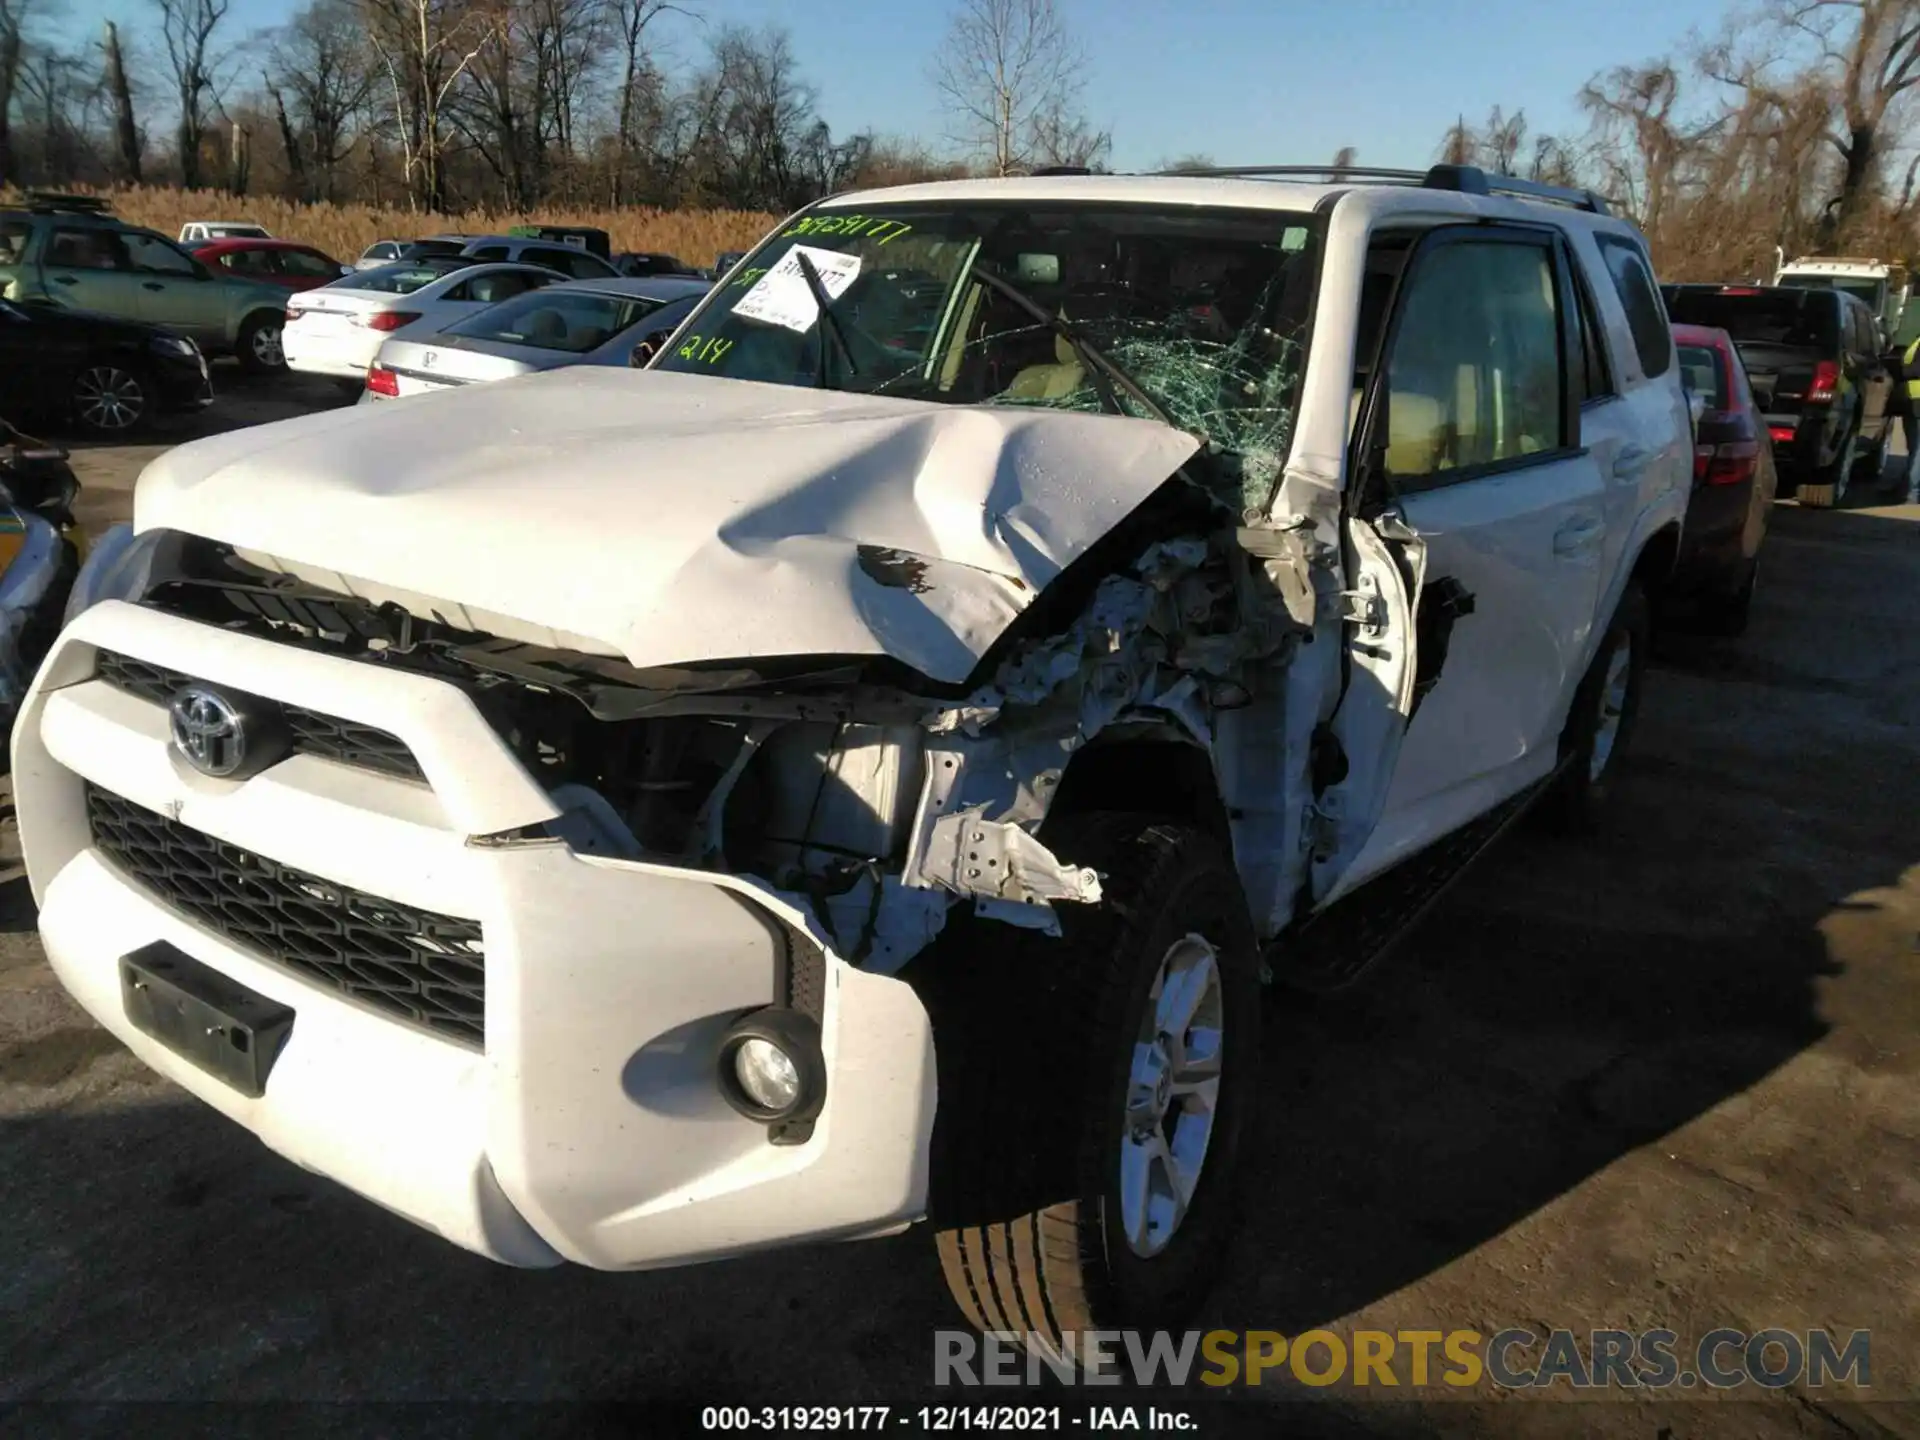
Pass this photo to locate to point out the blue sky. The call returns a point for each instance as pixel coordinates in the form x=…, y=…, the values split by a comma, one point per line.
x=1242, y=80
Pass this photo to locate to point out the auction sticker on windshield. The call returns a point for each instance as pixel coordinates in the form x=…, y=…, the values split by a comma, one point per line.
x=782, y=295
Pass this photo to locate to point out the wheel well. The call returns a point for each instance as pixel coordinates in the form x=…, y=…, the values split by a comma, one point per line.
x=1153, y=775
x=1657, y=558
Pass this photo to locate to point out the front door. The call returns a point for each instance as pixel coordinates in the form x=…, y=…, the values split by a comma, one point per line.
x=1471, y=447
x=86, y=268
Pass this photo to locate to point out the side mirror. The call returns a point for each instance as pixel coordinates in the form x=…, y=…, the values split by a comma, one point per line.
x=346, y=269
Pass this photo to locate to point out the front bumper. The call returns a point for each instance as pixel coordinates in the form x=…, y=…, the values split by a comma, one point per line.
x=589, y=1128
x=184, y=386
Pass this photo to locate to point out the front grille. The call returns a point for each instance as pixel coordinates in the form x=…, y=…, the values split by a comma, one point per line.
x=420, y=967
x=328, y=736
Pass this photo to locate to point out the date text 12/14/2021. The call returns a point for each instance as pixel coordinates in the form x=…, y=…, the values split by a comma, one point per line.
x=927, y=1419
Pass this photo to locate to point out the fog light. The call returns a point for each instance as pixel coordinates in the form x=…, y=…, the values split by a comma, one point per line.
x=767, y=1074
x=771, y=1067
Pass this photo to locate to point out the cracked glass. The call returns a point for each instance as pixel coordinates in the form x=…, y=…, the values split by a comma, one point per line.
x=1204, y=309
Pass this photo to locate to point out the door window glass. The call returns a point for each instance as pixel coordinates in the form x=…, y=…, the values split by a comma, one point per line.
x=304, y=265
x=1474, y=377
x=155, y=256
x=86, y=250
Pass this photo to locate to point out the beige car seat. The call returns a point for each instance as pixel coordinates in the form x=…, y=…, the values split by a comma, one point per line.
x=1049, y=382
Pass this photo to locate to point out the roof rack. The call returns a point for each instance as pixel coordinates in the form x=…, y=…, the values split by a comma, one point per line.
x=49, y=200
x=1466, y=179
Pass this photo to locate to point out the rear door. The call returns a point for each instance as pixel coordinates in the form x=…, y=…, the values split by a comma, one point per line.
x=1470, y=450
x=175, y=291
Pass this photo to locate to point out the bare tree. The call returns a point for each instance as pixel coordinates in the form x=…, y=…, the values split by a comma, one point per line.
x=126, y=133
x=320, y=78
x=1345, y=156
x=1500, y=142
x=1063, y=137
x=1640, y=139
x=1007, y=69
x=1459, y=146
x=424, y=48
x=187, y=30
x=639, y=84
x=1866, y=59
x=14, y=15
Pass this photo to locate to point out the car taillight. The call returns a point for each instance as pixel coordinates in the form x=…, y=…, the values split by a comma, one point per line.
x=390, y=319
x=383, y=382
x=1727, y=464
x=1826, y=380
x=1781, y=434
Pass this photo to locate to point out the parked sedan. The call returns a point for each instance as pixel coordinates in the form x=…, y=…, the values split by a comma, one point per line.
x=105, y=375
x=1733, y=484
x=337, y=329
x=286, y=263
x=583, y=322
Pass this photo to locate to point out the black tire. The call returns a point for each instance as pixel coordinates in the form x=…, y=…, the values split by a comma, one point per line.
x=257, y=347
x=1727, y=615
x=351, y=389
x=111, y=399
x=1031, y=1228
x=1580, y=797
x=1827, y=486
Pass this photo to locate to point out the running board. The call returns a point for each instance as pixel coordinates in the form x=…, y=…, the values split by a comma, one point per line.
x=1335, y=946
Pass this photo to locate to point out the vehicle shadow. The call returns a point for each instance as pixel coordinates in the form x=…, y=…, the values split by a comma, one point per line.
x=1570, y=1002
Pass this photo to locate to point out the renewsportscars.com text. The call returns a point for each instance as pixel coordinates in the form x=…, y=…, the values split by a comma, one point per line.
x=1514, y=1359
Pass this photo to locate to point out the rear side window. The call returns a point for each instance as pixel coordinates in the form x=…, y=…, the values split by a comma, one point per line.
x=1640, y=298
x=1804, y=319
x=490, y=252
x=307, y=266
x=1705, y=375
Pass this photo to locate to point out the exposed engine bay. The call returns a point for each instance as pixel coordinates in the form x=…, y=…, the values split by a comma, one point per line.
x=877, y=796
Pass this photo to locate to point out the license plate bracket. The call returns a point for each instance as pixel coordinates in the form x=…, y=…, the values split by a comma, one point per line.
x=227, y=1030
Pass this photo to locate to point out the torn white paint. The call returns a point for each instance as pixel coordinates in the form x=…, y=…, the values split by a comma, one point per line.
x=677, y=518
x=972, y=855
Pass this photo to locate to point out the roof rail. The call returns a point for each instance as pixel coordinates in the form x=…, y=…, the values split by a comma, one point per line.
x=50, y=200
x=1466, y=179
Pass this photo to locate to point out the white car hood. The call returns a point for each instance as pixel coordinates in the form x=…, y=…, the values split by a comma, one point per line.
x=672, y=518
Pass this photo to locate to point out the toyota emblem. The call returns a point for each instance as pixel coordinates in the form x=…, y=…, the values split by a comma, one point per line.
x=209, y=730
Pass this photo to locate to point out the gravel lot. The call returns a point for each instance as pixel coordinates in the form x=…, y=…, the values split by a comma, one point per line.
x=1671, y=1078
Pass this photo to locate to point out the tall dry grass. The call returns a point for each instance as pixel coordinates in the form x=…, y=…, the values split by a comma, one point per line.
x=345, y=230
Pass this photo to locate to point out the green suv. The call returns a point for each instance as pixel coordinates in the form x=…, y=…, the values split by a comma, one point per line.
x=68, y=250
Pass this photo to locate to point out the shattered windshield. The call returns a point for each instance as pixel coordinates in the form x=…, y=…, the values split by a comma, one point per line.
x=1203, y=309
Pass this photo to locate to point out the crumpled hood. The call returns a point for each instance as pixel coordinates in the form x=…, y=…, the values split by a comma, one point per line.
x=673, y=518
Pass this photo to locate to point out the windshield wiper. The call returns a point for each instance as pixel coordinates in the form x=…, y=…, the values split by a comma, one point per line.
x=1106, y=373
x=827, y=318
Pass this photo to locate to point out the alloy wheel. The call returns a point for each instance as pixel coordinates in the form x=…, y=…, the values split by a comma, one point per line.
x=106, y=397
x=1173, y=1094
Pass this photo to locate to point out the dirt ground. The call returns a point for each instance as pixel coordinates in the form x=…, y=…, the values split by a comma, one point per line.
x=1669, y=1078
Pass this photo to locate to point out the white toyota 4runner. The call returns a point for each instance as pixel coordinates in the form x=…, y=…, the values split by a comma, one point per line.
x=862, y=768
